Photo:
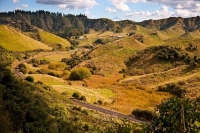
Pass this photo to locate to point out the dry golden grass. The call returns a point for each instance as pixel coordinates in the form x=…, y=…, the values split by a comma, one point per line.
x=128, y=97
x=92, y=95
x=47, y=80
x=57, y=57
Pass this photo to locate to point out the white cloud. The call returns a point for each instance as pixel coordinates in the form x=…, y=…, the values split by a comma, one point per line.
x=15, y=1
x=139, y=14
x=110, y=10
x=70, y=4
x=184, y=13
x=121, y=5
x=25, y=5
x=190, y=5
x=162, y=13
x=62, y=6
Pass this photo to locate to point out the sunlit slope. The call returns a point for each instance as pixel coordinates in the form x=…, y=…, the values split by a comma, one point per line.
x=49, y=38
x=154, y=37
x=13, y=40
x=109, y=59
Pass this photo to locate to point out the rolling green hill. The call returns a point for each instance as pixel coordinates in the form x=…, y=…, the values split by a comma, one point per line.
x=50, y=39
x=14, y=40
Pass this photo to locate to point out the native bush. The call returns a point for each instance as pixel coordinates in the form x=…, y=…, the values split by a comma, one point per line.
x=23, y=68
x=80, y=73
x=76, y=95
x=29, y=78
x=143, y=114
x=173, y=89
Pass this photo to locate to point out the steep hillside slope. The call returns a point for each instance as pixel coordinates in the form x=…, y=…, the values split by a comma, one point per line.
x=50, y=39
x=14, y=40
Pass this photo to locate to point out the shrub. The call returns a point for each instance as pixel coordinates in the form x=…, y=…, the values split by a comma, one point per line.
x=143, y=114
x=85, y=112
x=34, y=62
x=44, y=62
x=76, y=95
x=65, y=73
x=86, y=127
x=99, y=41
x=57, y=66
x=40, y=82
x=43, y=71
x=29, y=78
x=173, y=89
x=22, y=68
x=100, y=102
x=77, y=108
x=82, y=98
x=80, y=73
x=55, y=74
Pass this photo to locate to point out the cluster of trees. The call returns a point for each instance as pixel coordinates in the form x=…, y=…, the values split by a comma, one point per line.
x=64, y=25
x=175, y=115
x=20, y=109
x=174, y=89
x=36, y=62
x=176, y=54
x=76, y=59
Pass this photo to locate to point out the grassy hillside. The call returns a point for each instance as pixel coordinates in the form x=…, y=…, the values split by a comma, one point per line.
x=164, y=66
x=109, y=59
x=49, y=39
x=154, y=37
x=12, y=39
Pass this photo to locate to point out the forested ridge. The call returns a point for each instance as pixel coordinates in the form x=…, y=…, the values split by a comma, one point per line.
x=64, y=25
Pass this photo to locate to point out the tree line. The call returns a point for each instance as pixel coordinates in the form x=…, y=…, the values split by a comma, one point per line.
x=64, y=25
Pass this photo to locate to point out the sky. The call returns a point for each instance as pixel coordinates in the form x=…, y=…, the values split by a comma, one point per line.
x=136, y=10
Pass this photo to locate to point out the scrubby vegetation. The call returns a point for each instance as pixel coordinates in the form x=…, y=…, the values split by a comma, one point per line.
x=145, y=115
x=79, y=73
x=135, y=68
x=173, y=89
x=29, y=78
x=77, y=59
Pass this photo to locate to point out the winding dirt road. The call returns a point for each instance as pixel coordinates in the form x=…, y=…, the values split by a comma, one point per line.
x=108, y=112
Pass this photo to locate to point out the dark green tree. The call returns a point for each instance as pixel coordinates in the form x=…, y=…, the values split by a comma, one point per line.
x=176, y=116
x=29, y=78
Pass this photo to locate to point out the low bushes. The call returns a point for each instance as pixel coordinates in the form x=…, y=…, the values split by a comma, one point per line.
x=173, y=89
x=57, y=66
x=78, y=96
x=80, y=73
x=144, y=114
x=29, y=78
x=23, y=68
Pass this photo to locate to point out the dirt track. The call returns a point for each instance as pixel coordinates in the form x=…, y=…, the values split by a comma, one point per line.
x=106, y=111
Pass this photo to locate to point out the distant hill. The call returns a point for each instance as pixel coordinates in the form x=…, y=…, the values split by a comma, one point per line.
x=187, y=24
x=57, y=23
